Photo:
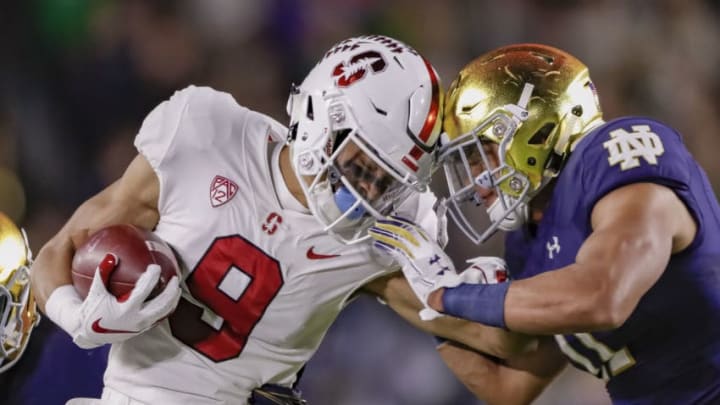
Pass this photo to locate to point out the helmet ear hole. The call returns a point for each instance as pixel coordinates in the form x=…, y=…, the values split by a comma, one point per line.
x=542, y=135
x=3, y=304
x=339, y=138
x=292, y=132
x=310, y=114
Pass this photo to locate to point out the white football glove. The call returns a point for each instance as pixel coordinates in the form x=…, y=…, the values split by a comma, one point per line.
x=425, y=265
x=485, y=270
x=102, y=318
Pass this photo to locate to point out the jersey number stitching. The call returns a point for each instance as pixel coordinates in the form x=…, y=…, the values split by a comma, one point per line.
x=221, y=333
x=612, y=363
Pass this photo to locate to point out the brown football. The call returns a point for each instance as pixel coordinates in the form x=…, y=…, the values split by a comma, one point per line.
x=135, y=248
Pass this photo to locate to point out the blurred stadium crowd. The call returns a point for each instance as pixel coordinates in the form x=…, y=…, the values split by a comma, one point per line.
x=78, y=76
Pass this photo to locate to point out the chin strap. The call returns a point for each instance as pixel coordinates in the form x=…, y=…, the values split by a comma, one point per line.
x=509, y=220
x=564, y=138
x=562, y=146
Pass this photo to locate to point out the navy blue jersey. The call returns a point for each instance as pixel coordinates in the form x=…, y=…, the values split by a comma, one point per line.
x=668, y=351
x=53, y=370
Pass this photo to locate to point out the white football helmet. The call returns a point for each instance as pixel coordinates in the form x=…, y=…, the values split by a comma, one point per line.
x=18, y=311
x=363, y=128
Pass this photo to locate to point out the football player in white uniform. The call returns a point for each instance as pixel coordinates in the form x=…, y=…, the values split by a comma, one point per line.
x=271, y=236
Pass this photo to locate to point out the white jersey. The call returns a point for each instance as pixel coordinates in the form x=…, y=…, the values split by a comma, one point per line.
x=265, y=280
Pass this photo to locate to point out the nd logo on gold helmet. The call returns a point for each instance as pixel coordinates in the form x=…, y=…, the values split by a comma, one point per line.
x=18, y=311
x=527, y=104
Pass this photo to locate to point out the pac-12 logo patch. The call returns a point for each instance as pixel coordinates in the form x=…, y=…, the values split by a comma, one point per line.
x=222, y=190
x=626, y=148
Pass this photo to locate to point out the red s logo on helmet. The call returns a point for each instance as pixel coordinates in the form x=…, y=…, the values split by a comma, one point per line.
x=348, y=73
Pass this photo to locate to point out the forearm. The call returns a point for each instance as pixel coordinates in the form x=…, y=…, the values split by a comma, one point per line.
x=395, y=291
x=559, y=302
x=486, y=339
x=51, y=269
x=479, y=373
x=566, y=300
x=52, y=266
x=515, y=381
x=132, y=199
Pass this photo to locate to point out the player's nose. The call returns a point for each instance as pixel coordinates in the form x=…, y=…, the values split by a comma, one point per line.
x=367, y=189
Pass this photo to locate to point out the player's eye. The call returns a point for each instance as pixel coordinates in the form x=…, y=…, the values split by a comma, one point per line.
x=473, y=156
x=352, y=170
x=383, y=184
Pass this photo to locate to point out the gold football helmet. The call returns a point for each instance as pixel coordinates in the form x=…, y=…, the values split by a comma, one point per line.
x=18, y=311
x=511, y=118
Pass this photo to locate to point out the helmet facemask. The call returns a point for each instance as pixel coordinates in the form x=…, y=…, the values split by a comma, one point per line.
x=17, y=317
x=347, y=181
x=18, y=311
x=471, y=160
x=354, y=187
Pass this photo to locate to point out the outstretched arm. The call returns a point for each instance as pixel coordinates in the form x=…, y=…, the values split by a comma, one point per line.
x=131, y=199
x=624, y=256
x=507, y=382
x=396, y=292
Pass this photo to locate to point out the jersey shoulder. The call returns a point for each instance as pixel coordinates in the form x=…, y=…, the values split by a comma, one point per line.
x=624, y=151
x=198, y=119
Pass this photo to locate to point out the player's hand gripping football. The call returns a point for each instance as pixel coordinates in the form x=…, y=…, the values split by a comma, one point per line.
x=425, y=265
x=103, y=318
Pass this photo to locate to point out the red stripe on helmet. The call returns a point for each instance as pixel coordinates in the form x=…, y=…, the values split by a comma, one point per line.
x=434, y=104
x=409, y=163
x=416, y=152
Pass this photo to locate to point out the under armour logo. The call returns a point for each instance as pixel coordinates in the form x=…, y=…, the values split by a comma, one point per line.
x=436, y=260
x=626, y=147
x=553, y=248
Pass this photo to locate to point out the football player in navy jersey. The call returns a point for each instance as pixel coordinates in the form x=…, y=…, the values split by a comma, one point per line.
x=613, y=242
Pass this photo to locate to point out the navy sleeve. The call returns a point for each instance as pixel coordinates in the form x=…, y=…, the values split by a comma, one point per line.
x=631, y=150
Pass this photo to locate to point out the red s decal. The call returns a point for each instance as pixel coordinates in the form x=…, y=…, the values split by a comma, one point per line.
x=348, y=73
x=272, y=222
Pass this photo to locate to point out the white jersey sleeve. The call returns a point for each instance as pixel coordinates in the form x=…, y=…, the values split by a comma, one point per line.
x=191, y=130
x=212, y=112
x=161, y=126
